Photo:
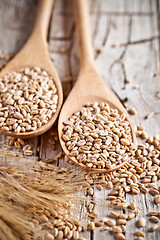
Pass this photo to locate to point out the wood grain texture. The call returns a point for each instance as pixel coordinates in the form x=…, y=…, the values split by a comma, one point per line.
x=134, y=29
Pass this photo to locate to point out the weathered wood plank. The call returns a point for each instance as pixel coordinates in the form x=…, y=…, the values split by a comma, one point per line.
x=15, y=27
x=62, y=36
x=133, y=28
x=131, y=61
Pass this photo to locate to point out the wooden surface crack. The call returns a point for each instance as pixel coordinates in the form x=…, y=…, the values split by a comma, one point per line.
x=128, y=39
x=70, y=49
x=120, y=59
x=158, y=18
x=139, y=41
x=121, y=100
x=107, y=32
x=157, y=47
x=145, y=101
x=129, y=14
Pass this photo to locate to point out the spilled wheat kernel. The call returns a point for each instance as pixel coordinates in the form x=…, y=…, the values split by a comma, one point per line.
x=141, y=222
x=154, y=219
x=139, y=233
x=157, y=200
x=153, y=228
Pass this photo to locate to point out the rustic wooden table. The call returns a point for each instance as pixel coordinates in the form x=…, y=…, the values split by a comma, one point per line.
x=126, y=40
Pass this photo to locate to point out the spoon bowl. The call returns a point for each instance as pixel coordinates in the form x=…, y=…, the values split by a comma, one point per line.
x=94, y=91
x=35, y=53
x=89, y=86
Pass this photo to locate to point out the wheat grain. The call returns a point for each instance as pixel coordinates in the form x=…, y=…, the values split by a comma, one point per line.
x=92, y=135
x=28, y=99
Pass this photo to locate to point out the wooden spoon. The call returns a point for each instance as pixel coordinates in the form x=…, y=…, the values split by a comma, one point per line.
x=35, y=53
x=89, y=86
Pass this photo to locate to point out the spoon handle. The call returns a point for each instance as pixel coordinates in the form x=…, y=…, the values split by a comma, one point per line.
x=44, y=11
x=83, y=33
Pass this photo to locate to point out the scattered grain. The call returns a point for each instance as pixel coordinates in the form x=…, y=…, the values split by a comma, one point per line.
x=139, y=233
x=114, y=45
x=60, y=234
x=140, y=128
x=99, y=224
x=120, y=236
x=99, y=187
x=123, y=216
x=43, y=218
x=48, y=236
x=91, y=226
x=141, y=222
x=132, y=111
x=152, y=214
x=157, y=200
x=121, y=221
x=131, y=216
x=127, y=80
x=75, y=235
x=154, y=191
x=17, y=144
x=137, y=86
x=143, y=135
x=157, y=95
x=49, y=160
x=105, y=228
x=70, y=235
x=26, y=147
x=60, y=155
x=123, y=227
x=100, y=49
x=153, y=228
x=90, y=191
x=21, y=141
x=110, y=222
x=114, y=215
x=49, y=225
x=154, y=219
x=55, y=232
x=116, y=229
x=132, y=206
x=28, y=153
x=148, y=116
